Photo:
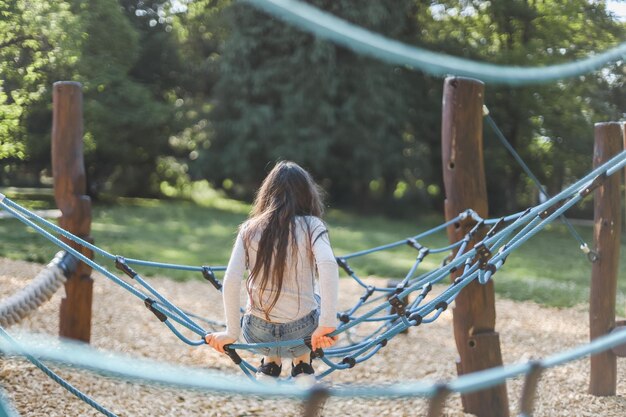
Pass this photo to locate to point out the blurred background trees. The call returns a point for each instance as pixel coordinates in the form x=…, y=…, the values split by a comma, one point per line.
x=181, y=91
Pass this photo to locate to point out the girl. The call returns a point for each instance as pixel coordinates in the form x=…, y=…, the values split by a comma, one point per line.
x=284, y=246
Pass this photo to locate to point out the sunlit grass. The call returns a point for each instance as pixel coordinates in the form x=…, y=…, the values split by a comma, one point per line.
x=549, y=268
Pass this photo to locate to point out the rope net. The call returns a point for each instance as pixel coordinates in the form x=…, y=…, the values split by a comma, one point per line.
x=391, y=311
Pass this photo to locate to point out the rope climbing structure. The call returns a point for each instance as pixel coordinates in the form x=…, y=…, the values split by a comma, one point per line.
x=503, y=236
x=375, y=319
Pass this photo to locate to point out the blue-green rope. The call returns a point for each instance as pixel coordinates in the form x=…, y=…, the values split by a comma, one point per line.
x=41, y=221
x=6, y=409
x=471, y=272
x=528, y=231
x=177, y=316
x=56, y=378
x=185, y=321
x=139, y=369
x=403, y=242
x=492, y=124
x=610, y=168
x=363, y=41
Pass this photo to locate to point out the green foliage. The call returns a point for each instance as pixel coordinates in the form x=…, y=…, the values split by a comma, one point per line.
x=283, y=94
x=551, y=125
x=127, y=123
x=38, y=41
x=177, y=92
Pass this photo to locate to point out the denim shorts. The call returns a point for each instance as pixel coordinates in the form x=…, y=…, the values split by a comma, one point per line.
x=257, y=330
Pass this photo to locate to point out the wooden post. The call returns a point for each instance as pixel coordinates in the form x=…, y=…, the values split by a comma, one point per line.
x=606, y=236
x=474, y=315
x=69, y=193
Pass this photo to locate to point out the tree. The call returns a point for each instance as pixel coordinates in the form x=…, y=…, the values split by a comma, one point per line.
x=283, y=94
x=38, y=42
x=549, y=125
x=126, y=121
x=127, y=118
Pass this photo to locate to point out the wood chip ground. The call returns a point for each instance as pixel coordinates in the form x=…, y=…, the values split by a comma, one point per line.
x=122, y=324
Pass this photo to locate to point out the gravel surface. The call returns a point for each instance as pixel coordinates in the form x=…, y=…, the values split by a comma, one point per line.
x=122, y=324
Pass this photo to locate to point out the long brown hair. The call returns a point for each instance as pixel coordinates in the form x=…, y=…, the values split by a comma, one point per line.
x=287, y=191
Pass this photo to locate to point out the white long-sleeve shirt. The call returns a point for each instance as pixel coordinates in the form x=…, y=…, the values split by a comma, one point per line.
x=297, y=297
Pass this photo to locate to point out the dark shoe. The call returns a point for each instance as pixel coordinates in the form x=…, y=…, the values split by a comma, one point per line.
x=303, y=373
x=269, y=371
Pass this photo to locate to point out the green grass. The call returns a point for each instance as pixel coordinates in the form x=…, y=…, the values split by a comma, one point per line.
x=549, y=269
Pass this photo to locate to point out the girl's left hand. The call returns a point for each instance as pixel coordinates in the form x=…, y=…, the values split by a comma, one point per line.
x=218, y=340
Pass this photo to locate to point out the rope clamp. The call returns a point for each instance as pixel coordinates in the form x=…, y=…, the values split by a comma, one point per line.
x=398, y=304
x=368, y=293
x=591, y=254
x=149, y=303
x=232, y=353
x=496, y=227
x=423, y=253
x=414, y=243
x=344, y=265
x=350, y=361
x=417, y=317
x=317, y=353
x=443, y=305
x=483, y=254
x=344, y=318
x=66, y=261
x=209, y=275
x=120, y=263
x=554, y=207
x=597, y=181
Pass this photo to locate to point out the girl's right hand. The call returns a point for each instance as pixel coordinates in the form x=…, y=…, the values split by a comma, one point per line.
x=319, y=340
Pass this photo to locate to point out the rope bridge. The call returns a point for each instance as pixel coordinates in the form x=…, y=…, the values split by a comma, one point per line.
x=386, y=306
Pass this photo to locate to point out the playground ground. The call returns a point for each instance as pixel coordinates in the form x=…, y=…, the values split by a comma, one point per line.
x=122, y=324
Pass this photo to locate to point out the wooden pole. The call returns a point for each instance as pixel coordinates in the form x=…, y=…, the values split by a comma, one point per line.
x=606, y=236
x=69, y=193
x=474, y=315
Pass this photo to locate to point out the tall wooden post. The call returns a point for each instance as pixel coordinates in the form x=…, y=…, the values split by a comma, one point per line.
x=69, y=193
x=474, y=315
x=606, y=236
